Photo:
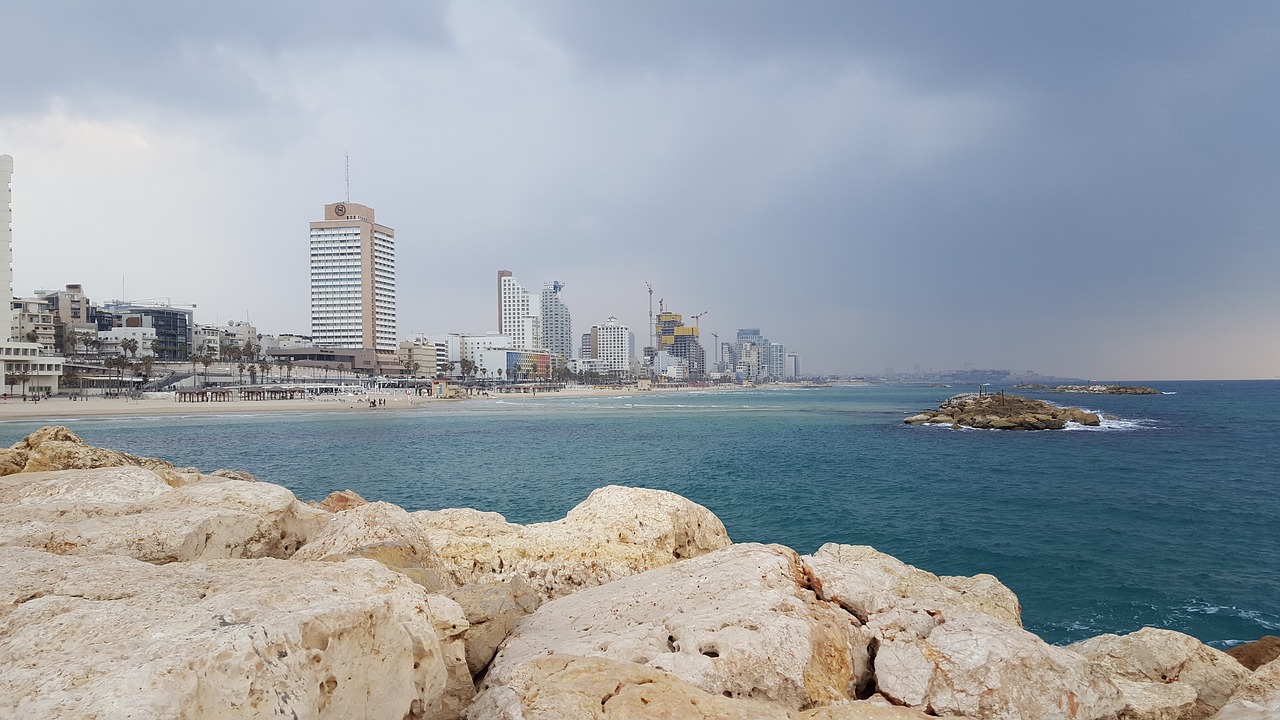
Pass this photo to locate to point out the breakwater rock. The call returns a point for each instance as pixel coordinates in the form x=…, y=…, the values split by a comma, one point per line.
x=1002, y=412
x=132, y=594
x=1106, y=389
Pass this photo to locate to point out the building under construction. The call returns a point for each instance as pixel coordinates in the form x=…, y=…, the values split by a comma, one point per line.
x=681, y=341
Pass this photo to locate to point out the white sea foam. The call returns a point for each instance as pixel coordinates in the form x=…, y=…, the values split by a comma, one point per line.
x=1266, y=620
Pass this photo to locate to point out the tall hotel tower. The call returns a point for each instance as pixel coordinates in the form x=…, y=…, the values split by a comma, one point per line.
x=557, y=323
x=353, y=280
x=519, y=315
x=6, y=228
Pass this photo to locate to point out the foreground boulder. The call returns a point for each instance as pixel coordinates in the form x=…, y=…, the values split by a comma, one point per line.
x=383, y=532
x=54, y=447
x=129, y=510
x=1152, y=662
x=743, y=622
x=1257, y=697
x=616, y=532
x=953, y=645
x=866, y=582
x=567, y=687
x=492, y=609
x=109, y=636
x=1002, y=412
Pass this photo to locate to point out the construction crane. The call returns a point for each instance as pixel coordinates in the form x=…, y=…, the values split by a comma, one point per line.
x=652, y=337
x=697, y=327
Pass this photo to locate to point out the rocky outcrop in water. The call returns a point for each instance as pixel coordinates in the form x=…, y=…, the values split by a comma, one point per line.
x=222, y=596
x=1106, y=389
x=1002, y=412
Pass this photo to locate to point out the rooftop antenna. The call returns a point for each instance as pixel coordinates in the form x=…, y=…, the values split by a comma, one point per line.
x=348, y=176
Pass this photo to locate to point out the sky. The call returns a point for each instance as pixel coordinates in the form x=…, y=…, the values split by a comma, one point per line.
x=1083, y=189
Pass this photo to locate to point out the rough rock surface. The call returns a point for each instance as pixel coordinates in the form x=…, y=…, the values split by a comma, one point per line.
x=129, y=510
x=108, y=636
x=1165, y=657
x=492, y=609
x=383, y=532
x=1254, y=655
x=340, y=500
x=741, y=622
x=1002, y=412
x=961, y=662
x=1257, y=697
x=615, y=532
x=451, y=628
x=866, y=581
x=54, y=447
x=567, y=687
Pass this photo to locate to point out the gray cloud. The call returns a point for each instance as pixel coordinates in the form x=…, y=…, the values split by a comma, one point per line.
x=1079, y=189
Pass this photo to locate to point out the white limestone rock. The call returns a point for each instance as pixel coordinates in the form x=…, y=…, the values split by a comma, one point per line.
x=383, y=532
x=866, y=581
x=128, y=510
x=1166, y=657
x=1257, y=697
x=492, y=609
x=741, y=622
x=451, y=628
x=109, y=636
x=615, y=532
x=961, y=662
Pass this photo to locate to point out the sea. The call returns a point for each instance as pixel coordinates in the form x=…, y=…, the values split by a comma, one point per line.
x=1168, y=515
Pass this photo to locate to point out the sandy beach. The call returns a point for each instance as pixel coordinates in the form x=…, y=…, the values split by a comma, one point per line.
x=60, y=408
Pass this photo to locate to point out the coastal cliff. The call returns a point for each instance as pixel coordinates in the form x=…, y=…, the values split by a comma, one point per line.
x=136, y=587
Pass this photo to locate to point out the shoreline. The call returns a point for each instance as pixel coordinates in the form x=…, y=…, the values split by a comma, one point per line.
x=62, y=408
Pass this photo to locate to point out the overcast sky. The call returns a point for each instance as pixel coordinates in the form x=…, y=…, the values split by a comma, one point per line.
x=1082, y=189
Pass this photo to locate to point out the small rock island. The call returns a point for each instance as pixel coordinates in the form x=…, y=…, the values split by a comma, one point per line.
x=1002, y=412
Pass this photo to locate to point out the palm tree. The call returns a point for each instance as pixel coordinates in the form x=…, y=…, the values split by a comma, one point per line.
x=70, y=338
x=240, y=367
x=32, y=336
x=148, y=362
x=265, y=367
x=499, y=375
x=11, y=379
x=288, y=368
x=446, y=368
x=206, y=360
x=23, y=376
x=130, y=346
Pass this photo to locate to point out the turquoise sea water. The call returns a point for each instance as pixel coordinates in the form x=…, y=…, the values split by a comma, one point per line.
x=1169, y=516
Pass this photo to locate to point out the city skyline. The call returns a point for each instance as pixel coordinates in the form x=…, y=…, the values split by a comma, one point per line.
x=1084, y=191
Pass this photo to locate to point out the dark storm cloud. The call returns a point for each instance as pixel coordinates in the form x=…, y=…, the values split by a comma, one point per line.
x=188, y=56
x=1083, y=188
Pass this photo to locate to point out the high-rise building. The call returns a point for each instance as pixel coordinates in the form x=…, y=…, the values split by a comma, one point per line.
x=519, y=317
x=353, y=280
x=6, y=248
x=681, y=341
x=611, y=345
x=6, y=226
x=557, y=325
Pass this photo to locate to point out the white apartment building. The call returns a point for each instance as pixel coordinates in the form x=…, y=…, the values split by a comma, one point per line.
x=557, y=323
x=793, y=366
x=111, y=341
x=30, y=368
x=611, y=345
x=353, y=280
x=519, y=316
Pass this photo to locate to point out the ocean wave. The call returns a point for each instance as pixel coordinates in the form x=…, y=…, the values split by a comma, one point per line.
x=1266, y=620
